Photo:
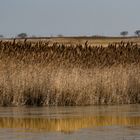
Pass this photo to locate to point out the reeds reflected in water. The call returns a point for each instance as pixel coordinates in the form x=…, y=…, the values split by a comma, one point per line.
x=66, y=124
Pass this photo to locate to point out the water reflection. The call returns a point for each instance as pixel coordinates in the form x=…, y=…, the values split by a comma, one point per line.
x=67, y=124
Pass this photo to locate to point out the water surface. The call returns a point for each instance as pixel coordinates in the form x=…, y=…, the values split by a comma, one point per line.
x=72, y=123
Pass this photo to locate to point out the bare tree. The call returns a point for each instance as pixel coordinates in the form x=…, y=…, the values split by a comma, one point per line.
x=137, y=33
x=124, y=33
x=22, y=35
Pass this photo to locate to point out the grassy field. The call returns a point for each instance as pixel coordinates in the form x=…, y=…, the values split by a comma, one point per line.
x=69, y=71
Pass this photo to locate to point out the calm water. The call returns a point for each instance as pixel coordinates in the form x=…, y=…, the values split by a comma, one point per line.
x=71, y=123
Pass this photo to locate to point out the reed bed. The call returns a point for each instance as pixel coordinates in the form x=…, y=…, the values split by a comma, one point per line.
x=35, y=73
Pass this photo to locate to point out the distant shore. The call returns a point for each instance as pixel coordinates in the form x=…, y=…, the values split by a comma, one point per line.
x=76, y=40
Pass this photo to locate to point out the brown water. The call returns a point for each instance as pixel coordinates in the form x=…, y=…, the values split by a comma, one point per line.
x=70, y=123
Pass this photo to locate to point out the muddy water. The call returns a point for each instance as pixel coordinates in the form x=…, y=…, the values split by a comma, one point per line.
x=70, y=123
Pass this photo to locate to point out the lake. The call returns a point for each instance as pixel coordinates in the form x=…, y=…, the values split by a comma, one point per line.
x=70, y=123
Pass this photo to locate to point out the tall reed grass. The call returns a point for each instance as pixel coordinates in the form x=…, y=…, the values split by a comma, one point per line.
x=35, y=73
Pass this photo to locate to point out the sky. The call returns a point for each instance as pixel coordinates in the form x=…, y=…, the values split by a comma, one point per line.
x=69, y=17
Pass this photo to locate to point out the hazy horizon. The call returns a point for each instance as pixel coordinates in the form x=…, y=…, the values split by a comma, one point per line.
x=69, y=18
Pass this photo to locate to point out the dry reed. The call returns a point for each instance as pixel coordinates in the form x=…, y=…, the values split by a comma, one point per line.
x=34, y=73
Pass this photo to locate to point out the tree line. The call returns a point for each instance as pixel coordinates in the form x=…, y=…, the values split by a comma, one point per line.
x=123, y=33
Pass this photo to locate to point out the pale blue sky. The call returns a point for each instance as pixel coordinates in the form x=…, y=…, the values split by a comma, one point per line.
x=69, y=17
